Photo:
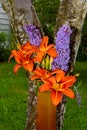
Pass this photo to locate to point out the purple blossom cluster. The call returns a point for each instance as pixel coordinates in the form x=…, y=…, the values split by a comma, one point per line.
x=63, y=48
x=33, y=33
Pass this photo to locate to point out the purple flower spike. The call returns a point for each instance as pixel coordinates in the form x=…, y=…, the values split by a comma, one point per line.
x=33, y=33
x=63, y=48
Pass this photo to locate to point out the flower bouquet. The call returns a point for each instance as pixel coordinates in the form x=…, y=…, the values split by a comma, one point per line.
x=47, y=65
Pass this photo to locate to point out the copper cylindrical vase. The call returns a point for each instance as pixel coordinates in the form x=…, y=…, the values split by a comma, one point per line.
x=46, y=112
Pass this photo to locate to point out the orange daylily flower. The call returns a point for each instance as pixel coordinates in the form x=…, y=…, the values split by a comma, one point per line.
x=43, y=74
x=44, y=49
x=58, y=86
x=23, y=56
x=22, y=61
x=28, y=48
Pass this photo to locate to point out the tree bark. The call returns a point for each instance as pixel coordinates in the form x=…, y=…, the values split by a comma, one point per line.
x=72, y=12
x=21, y=12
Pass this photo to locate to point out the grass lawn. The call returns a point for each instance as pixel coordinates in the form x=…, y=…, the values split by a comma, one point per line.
x=13, y=100
x=75, y=116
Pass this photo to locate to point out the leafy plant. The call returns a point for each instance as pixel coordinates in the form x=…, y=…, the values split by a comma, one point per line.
x=47, y=11
x=2, y=39
x=4, y=54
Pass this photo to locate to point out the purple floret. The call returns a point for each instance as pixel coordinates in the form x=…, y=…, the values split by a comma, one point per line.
x=33, y=33
x=63, y=47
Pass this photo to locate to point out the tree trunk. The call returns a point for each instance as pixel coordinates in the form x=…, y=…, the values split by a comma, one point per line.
x=22, y=12
x=72, y=12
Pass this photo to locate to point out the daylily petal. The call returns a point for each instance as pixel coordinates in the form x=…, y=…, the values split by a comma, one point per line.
x=29, y=66
x=43, y=74
x=18, y=60
x=52, y=80
x=30, y=52
x=68, y=92
x=60, y=76
x=38, y=57
x=39, y=71
x=11, y=56
x=17, y=53
x=44, y=87
x=50, y=46
x=34, y=77
x=16, y=67
x=18, y=56
x=56, y=97
x=44, y=42
x=45, y=49
x=27, y=46
x=55, y=71
x=52, y=52
x=69, y=81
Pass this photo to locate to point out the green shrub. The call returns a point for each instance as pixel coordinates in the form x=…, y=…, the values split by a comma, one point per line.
x=4, y=54
x=4, y=50
x=82, y=57
x=2, y=37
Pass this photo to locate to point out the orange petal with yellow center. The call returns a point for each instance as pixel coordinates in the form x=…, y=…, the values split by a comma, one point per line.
x=52, y=80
